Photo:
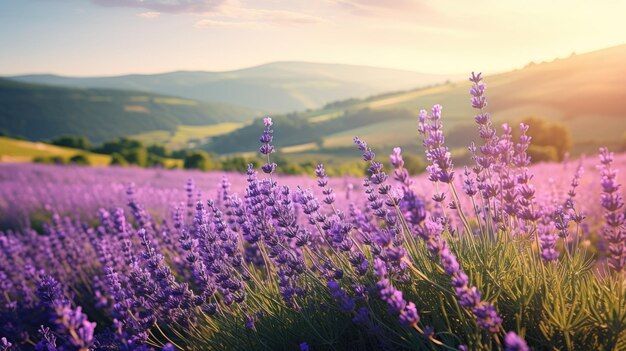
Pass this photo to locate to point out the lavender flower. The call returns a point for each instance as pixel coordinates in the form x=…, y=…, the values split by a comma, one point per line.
x=400, y=173
x=468, y=297
x=547, y=239
x=411, y=205
x=614, y=229
x=48, y=340
x=5, y=345
x=267, y=148
x=322, y=182
x=409, y=316
x=74, y=324
x=431, y=128
x=513, y=342
x=346, y=303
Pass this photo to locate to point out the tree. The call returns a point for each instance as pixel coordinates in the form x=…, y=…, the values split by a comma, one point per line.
x=118, y=146
x=237, y=163
x=118, y=160
x=413, y=163
x=199, y=160
x=76, y=142
x=80, y=159
x=54, y=160
x=136, y=156
x=155, y=161
x=545, y=133
x=542, y=153
x=158, y=150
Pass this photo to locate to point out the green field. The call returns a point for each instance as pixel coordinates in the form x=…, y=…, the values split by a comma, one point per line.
x=12, y=150
x=185, y=135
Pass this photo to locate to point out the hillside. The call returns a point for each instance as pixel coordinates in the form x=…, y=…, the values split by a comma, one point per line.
x=278, y=87
x=20, y=151
x=584, y=92
x=40, y=112
x=12, y=150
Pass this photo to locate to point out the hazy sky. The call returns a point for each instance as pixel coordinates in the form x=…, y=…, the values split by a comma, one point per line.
x=108, y=37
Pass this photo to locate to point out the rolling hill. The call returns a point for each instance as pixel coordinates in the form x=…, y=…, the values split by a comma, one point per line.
x=40, y=112
x=277, y=87
x=583, y=92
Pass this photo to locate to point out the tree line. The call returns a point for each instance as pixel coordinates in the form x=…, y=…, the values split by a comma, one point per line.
x=550, y=142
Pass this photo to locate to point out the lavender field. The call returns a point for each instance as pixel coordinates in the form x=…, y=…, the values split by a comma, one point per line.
x=500, y=255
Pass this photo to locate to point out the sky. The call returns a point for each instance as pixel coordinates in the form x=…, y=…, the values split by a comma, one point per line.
x=112, y=37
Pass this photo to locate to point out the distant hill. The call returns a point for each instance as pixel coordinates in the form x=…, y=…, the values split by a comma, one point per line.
x=278, y=87
x=584, y=92
x=40, y=112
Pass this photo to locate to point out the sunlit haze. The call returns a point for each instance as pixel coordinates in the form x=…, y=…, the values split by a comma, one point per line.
x=110, y=37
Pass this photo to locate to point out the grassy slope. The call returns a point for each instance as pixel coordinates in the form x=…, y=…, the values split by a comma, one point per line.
x=584, y=92
x=184, y=134
x=41, y=112
x=12, y=150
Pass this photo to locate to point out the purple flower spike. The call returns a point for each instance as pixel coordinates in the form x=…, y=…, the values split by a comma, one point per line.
x=396, y=158
x=614, y=229
x=47, y=342
x=468, y=297
x=431, y=128
x=322, y=182
x=74, y=324
x=5, y=345
x=476, y=77
x=266, y=146
x=362, y=145
x=513, y=342
x=409, y=317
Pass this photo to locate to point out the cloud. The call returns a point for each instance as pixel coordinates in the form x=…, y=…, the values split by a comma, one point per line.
x=217, y=13
x=384, y=8
x=209, y=23
x=165, y=6
x=149, y=15
x=231, y=14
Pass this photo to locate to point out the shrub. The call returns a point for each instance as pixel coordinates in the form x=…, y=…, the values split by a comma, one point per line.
x=79, y=159
x=199, y=160
x=55, y=160
x=76, y=142
x=545, y=133
x=545, y=153
x=136, y=156
x=118, y=160
x=237, y=163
